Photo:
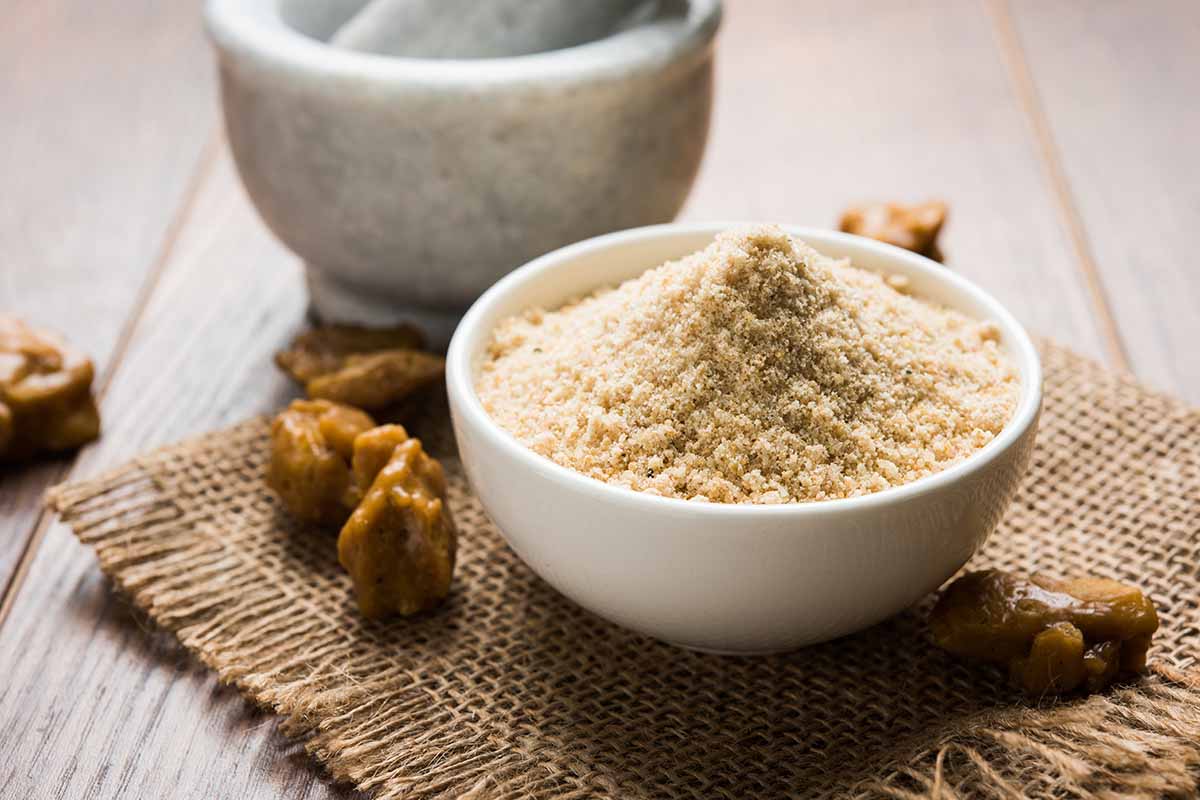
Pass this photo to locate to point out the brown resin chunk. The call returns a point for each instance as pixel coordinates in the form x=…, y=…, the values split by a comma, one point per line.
x=399, y=544
x=312, y=445
x=46, y=403
x=6, y=427
x=1054, y=663
x=325, y=349
x=1055, y=636
x=371, y=368
x=914, y=227
x=378, y=380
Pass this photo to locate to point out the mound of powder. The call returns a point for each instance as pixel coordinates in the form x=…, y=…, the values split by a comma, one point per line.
x=754, y=371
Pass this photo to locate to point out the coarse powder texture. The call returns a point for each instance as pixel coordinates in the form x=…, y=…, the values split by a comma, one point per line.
x=754, y=371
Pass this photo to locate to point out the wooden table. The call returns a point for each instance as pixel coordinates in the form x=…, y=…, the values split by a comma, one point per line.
x=1065, y=136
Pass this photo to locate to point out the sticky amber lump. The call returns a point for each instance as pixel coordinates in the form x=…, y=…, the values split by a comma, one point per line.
x=378, y=380
x=46, y=402
x=312, y=445
x=324, y=349
x=370, y=368
x=1055, y=636
x=913, y=227
x=399, y=544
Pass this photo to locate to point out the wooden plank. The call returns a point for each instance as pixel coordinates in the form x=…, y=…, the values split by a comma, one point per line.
x=1120, y=87
x=94, y=703
x=819, y=105
x=105, y=113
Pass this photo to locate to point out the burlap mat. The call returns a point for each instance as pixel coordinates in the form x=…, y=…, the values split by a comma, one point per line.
x=510, y=691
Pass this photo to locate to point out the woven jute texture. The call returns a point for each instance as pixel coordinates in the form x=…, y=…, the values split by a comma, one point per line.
x=510, y=691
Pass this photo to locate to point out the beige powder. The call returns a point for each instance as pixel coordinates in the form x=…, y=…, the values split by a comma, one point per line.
x=755, y=371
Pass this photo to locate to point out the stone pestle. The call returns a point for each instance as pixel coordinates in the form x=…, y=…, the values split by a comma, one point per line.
x=493, y=29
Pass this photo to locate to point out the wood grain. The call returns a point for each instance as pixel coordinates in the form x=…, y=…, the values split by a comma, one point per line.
x=95, y=703
x=106, y=110
x=819, y=105
x=1120, y=85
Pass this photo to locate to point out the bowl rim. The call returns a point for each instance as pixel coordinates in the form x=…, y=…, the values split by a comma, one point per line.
x=255, y=28
x=466, y=405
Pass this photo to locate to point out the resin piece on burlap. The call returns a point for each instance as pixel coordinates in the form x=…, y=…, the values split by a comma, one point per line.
x=510, y=691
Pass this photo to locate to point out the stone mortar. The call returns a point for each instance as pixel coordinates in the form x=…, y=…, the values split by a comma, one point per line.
x=410, y=185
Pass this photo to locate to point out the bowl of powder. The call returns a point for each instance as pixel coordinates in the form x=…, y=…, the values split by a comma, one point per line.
x=744, y=439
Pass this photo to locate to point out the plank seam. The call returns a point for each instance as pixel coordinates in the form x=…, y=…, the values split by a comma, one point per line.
x=200, y=174
x=1027, y=95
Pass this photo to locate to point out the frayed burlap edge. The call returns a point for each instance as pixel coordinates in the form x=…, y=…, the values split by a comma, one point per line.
x=281, y=653
x=1138, y=742
x=273, y=645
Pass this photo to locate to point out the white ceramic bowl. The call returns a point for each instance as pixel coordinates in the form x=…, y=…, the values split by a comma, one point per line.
x=732, y=578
